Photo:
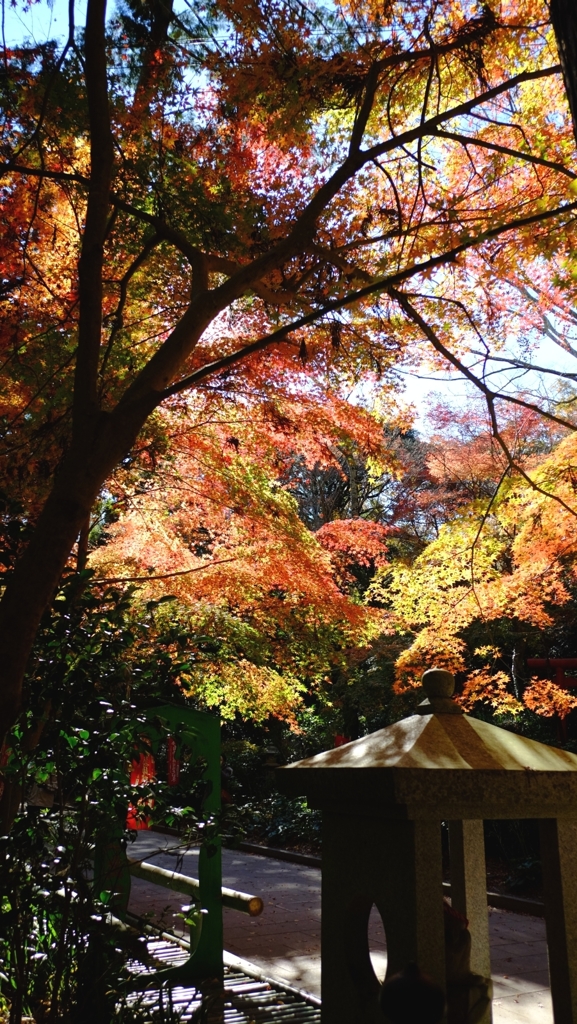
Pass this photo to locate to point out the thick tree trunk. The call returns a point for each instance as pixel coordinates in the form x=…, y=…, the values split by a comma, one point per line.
x=98, y=449
x=37, y=574
x=564, y=21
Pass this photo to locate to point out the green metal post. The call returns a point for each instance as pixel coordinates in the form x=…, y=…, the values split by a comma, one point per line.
x=201, y=732
x=111, y=869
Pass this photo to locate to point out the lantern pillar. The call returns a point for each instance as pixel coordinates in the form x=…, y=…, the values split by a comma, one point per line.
x=559, y=859
x=396, y=865
x=469, y=887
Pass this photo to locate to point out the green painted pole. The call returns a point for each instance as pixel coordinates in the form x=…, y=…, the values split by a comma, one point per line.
x=201, y=732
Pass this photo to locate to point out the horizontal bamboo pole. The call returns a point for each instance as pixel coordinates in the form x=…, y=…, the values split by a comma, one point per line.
x=242, y=901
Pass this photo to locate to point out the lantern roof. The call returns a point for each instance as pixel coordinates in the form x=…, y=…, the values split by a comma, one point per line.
x=440, y=753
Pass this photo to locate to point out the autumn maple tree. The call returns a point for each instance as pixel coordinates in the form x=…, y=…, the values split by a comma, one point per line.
x=215, y=530
x=497, y=582
x=247, y=199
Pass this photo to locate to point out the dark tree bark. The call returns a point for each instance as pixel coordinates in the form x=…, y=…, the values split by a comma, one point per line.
x=151, y=72
x=564, y=21
x=29, y=591
x=82, y=545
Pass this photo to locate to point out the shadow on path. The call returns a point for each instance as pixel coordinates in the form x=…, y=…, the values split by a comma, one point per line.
x=284, y=941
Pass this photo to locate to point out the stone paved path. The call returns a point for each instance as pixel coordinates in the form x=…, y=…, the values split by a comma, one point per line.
x=284, y=941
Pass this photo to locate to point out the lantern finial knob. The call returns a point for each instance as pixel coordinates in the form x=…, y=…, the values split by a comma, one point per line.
x=437, y=682
x=439, y=685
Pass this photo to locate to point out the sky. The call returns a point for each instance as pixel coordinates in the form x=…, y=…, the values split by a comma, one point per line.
x=40, y=22
x=49, y=20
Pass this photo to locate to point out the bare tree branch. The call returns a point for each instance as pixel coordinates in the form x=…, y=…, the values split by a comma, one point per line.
x=164, y=575
x=477, y=537
x=469, y=140
x=515, y=363
x=490, y=396
x=364, y=111
x=459, y=365
x=429, y=127
x=382, y=285
x=124, y=282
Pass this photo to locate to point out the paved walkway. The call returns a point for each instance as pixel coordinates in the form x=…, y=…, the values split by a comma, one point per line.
x=284, y=941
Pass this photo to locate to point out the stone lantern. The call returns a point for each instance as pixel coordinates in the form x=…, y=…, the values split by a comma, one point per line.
x=383, y=799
